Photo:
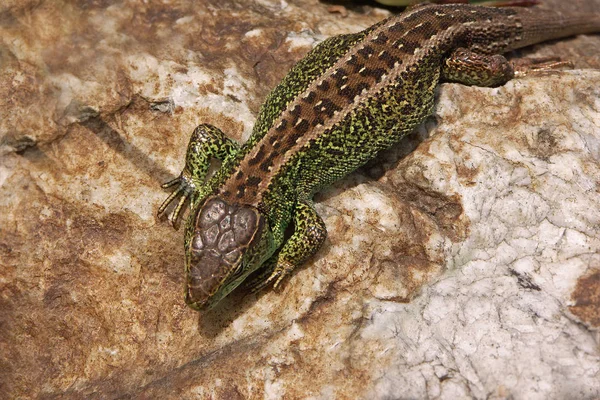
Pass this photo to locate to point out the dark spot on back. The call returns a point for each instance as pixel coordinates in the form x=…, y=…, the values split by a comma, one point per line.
x=415, y=16
x=258, y=157
x=282, y=125
x=296, y=110
x=324, y=86
x=317, y=120
x=373, y=72
x=389, y=59
x=240, y=191
x=294, y=137
x=444, y=23
x=352, y=91
x=253, y=181
x=328, y=107
x=408, y=46
x=268, y=163
x=361, y=86
x=310, y=98
x=353, y=61
x=381, y=39
x=397, y=27
x=426, y=29
x=366, y=51
x=340, y=72
x=303, y=126
x=357, y=67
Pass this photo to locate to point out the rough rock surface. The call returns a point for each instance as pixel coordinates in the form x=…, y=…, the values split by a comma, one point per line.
x=469, y=268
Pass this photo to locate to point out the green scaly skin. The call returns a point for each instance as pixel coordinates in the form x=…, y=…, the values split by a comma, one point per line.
x=347, y=99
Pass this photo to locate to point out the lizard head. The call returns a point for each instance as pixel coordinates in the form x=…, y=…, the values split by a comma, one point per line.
x=224, y=244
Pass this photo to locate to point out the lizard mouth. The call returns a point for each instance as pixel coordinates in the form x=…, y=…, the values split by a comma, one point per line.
x=207, y=272
x=222, y=234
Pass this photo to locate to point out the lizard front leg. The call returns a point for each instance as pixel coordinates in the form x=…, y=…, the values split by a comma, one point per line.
x=309, y=234
x=206, y=142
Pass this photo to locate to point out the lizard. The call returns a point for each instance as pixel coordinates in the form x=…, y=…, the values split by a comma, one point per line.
x=350, y=97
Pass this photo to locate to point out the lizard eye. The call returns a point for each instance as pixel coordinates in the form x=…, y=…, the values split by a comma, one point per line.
x=221, y=236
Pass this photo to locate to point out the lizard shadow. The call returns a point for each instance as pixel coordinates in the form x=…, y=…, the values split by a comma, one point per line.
x=213, y=322
x=115, y=140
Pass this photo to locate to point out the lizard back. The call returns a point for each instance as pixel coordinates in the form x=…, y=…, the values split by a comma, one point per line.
x=372, y=87
x=355, y=95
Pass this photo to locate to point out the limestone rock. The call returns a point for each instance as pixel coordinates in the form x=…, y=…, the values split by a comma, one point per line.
x=463, y=263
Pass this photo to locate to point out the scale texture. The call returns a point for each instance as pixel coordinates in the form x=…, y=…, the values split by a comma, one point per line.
x=351, y=97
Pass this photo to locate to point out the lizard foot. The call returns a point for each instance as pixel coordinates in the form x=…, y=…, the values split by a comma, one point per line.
x=183, y=191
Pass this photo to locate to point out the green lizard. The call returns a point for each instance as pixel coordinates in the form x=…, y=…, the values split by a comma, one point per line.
x=347, y=99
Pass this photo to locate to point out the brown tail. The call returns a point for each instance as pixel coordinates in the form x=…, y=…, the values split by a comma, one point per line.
x=540, y=25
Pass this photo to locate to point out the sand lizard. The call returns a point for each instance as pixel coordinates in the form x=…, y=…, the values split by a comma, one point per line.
x=350, y=97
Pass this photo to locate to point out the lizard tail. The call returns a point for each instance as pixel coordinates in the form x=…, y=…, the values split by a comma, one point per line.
x=540, y=25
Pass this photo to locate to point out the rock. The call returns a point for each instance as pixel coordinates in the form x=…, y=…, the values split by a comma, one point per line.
x=464, y=262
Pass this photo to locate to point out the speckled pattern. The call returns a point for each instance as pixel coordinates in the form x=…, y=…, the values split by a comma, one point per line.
x=460, y=263
x=349, y=98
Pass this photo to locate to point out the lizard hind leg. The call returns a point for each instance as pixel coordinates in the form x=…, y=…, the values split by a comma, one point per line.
x=207, y=142
x=475, y=69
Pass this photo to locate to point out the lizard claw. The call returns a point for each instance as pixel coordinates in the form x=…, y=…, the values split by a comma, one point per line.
x=183, y=190
x=525, y=66
x=269, y=274
x=172, y=182
x=281, y=271
x=260, y=284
